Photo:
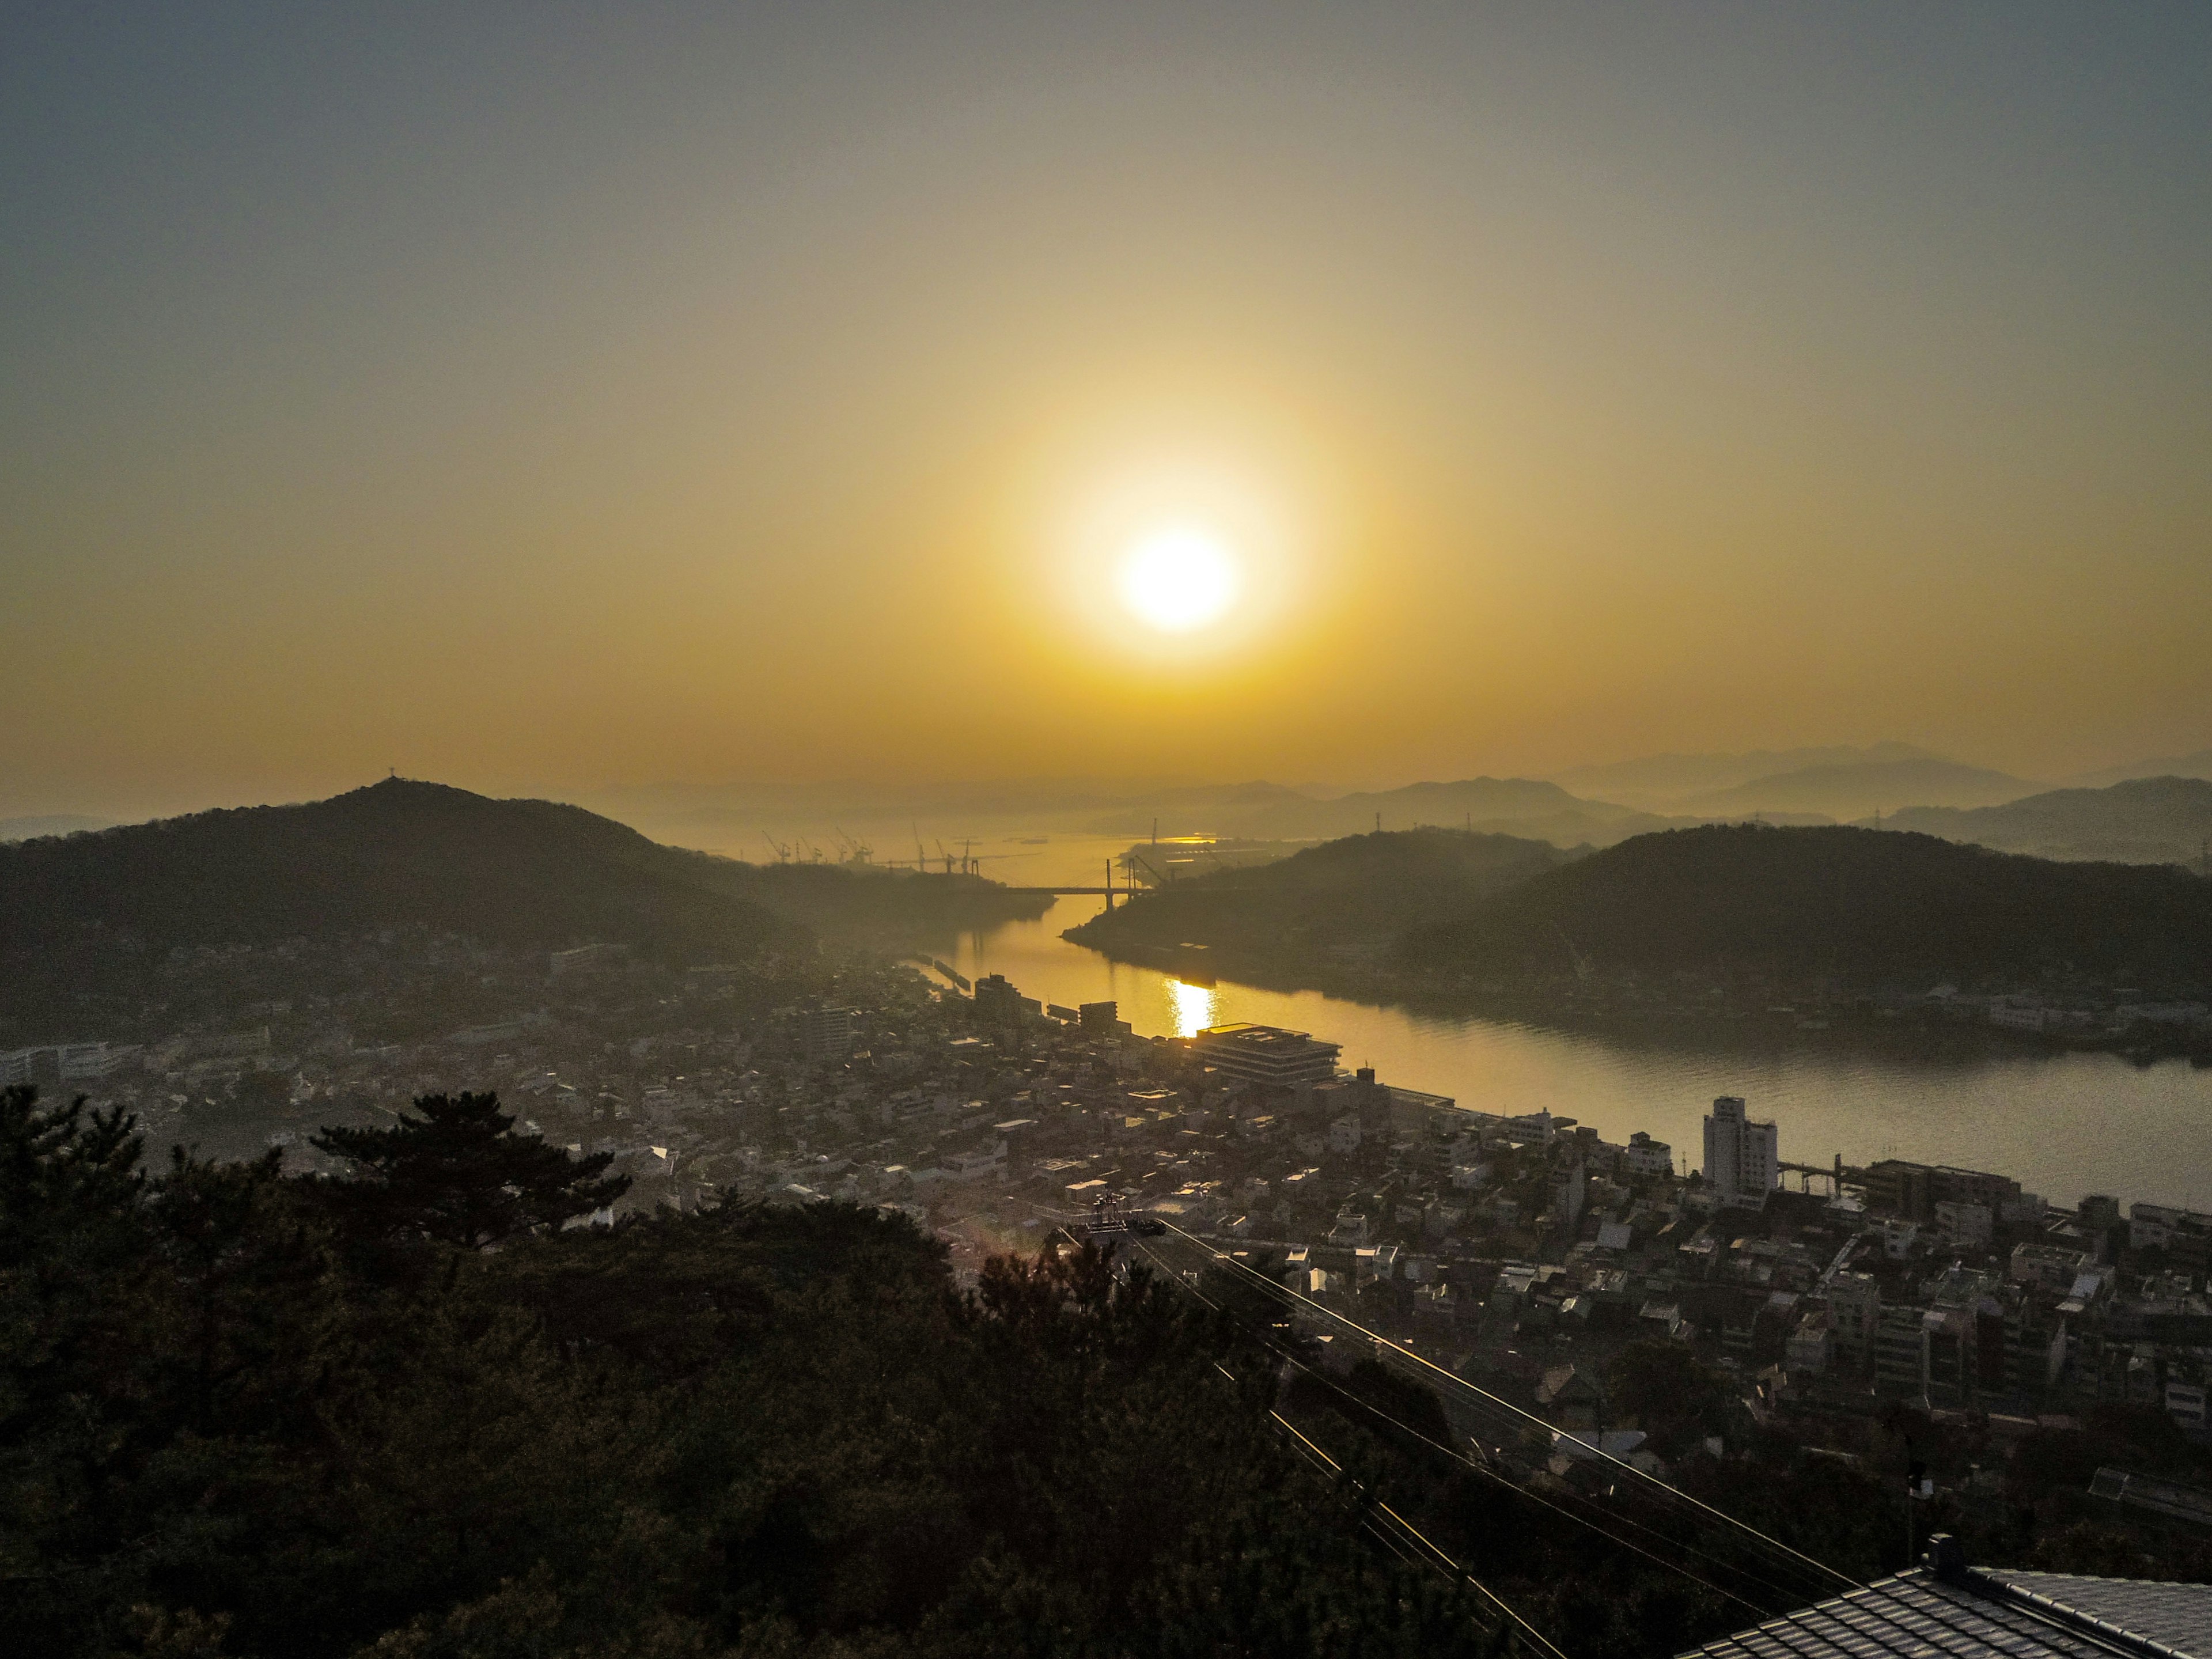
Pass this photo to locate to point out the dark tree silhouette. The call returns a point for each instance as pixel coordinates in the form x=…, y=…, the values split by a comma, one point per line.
x=59, y=1166
x=1675, y=1396
x=458, y=1173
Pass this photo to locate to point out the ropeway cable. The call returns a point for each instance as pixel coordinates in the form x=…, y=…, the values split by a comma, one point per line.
x=1919, y=1639
x=1520, y=1625
x=1514, y=1411
x=1860, y=1595
x=1789, y=1596
x=1441, y=1559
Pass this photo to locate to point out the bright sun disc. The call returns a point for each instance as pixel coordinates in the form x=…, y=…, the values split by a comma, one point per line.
x=1178, y=579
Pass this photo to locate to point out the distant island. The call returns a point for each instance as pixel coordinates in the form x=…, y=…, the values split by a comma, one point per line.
x=1347, y=901
x=1714, y=919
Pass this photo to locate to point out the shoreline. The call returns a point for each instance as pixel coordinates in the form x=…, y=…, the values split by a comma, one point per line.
x=1706, y=1025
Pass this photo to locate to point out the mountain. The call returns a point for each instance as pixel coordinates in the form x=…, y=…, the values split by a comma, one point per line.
x=398, y=853
x=1348, y=897
x=2147, y=821
x=1659, y=783
x=1516, y=806
x=1861, y=789
x=2198, y=765
x=1854, y=905
x=53, y=823
x=402, y=854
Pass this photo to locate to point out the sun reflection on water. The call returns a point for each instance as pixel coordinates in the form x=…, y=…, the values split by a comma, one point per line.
x=1192, y=1005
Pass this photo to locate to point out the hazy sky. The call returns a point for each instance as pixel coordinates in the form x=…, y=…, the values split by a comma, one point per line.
x=555, y=398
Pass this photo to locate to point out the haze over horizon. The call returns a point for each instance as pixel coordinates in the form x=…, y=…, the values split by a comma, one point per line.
x=579, y=405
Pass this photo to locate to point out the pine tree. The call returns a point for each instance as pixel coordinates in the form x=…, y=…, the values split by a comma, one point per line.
x=458, y=1174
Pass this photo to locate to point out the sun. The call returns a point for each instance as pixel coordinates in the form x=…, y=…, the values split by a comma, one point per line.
x=1179, y=578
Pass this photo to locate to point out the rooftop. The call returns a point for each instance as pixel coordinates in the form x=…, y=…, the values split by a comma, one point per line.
x=1995, y=1612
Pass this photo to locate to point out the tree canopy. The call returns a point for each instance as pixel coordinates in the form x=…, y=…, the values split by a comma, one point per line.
x=459, y=1175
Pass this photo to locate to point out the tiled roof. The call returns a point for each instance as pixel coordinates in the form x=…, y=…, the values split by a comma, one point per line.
x=1919, y=1615
x=2177, y=1616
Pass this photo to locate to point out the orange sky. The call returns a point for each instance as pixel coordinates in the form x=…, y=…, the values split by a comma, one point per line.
x=767, y=396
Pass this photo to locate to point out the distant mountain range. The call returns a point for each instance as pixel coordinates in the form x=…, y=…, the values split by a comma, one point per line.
x=1862, y=789
x=1520, y=806
x=1659, y=783
x=2163, y=820
x=2198, y=765
x=1589, y=806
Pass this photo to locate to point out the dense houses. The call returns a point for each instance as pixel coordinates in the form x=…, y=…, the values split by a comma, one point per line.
x=1523, y=1251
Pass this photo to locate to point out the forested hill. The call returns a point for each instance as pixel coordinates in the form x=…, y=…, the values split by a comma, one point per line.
x=1863, y=906
x=398, y=854
x=1350, y=897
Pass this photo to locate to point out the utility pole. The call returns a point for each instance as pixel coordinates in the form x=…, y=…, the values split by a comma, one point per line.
x=1918, y=1488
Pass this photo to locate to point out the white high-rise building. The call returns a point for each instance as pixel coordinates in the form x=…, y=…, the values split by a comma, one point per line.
x=1742, y=1158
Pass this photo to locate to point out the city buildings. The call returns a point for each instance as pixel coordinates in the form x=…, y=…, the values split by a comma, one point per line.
x=64, y=1062
x=1268, y=1056
x=1510, y=1241
x=1741, y=1157
x=825, y=1033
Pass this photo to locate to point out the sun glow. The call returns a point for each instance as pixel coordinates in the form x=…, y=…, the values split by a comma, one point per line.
x=1192, y=1007
x=1178, y=579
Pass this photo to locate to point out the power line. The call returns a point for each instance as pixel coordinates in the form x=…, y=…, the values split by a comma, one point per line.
x=1791, y=1597
x=1864, y=1596
x=1867, y=1595
x=1520, y=1625
x=1515, y=1412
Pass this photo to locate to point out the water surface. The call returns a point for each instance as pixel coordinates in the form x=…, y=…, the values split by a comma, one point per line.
x=2061, y=1125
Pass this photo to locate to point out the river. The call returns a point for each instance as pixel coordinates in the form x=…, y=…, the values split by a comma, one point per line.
x=2061, y=1125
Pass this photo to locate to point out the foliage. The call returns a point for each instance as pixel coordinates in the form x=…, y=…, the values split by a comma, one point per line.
x=457, y=1175
x=745, y=1431
x=1855, y=905
x=1362, y=890
x=1674, y=1397
x=396, y=854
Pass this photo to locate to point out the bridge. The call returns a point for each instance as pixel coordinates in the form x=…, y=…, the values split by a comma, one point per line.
x=1110, y=893
x=1806, y=1173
